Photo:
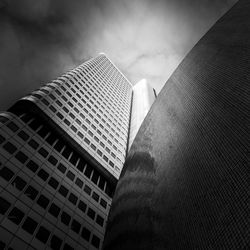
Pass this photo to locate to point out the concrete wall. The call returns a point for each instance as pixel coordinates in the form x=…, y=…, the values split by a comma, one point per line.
x=185, y=184
x=143, y=98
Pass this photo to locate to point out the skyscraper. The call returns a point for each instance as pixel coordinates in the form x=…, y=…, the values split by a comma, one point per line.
x=185, y=182
x=62, y=150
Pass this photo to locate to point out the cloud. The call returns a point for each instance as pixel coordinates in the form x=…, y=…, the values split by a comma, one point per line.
x=39, y=40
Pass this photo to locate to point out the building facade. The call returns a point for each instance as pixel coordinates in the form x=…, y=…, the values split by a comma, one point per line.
x=185, y=182
x=143, y=98
x=62, y=150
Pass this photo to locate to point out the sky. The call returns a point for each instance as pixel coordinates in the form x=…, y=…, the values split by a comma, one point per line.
x=42, y=39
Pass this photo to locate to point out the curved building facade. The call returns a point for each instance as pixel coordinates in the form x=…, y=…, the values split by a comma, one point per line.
x=185, y=183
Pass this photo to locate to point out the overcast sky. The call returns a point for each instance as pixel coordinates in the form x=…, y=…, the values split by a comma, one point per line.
x=41, y=39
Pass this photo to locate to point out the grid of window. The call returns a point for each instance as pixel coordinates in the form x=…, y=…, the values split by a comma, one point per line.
x=91, y=104
x=93, y=101
x=39, y=171
x=19, y=217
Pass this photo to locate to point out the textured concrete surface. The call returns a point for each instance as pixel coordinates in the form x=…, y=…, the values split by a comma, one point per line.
x=185, y=184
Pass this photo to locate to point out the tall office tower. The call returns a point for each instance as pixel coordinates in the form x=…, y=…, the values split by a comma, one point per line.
x=143, y=98
x=62, y=150
x=185, y=182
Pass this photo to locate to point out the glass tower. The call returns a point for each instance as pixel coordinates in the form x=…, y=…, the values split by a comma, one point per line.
x=62, y=149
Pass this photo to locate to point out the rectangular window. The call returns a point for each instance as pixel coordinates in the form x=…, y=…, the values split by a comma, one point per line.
x=6, y=174
x=43, y=201
x=79, y=183
x=63, y=191
x=75, y=226
x=19, y=183
x=23, y=135
x=43, y=174
x=53, y=182
x=43, y=234
x=10, y=148
x=33, y=144
x=43, y=152
x=87, y=189
x=70, y=175
x=12, y=126
x=82, y=206
x=52, y=160
x=21, y=157
x=4, y=205
x=65, y=218
x=61, y=168
x=73, y=199
x=29, y=225
x=91, y=213
x=31, y=165
x=85, y=234
x=31, y=192
x=16, y=215
x=54, y=210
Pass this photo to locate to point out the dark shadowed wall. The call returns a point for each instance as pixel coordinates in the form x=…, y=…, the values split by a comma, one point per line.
x=185, y=184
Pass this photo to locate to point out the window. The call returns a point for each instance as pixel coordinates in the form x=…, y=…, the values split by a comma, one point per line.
x=52, y=160
x=29, y=225
x=95, y=177
x=43, y=132
x=43, y=174
x=80, y=135
x=53, y=182
x=43, y=152
x=31, y=192
x=4, y=205
x=35, y=124
x=61, y=168
x=6, y=173
x=85, y=234
x=54, y=210
x=23, y=135
x=91, y=213
x=87, y=140
x=87, y=189
x=70, y=175
x=21, y=157
x=43, y=201
x=99, y=220
x=19, y=183
x=65, y=218
x=103, y=203
x=10, y=148
x=72, y=198
x=59, y=115
x=52, y=108
x=51, y=139
x=75, y=226
x=16, y=216
x=32, y=166
x=33, y=144
x=82, y=206
x=74, y=158
x=43, y=234
x=79, y=183
x=67, y=122
x=63, y=191
x=45, y=102
x=59, y=145
x=66, y=152
x=65, y=109
x=55, y=243
x=95, y=196
x=2, y=139
x=12, y=126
